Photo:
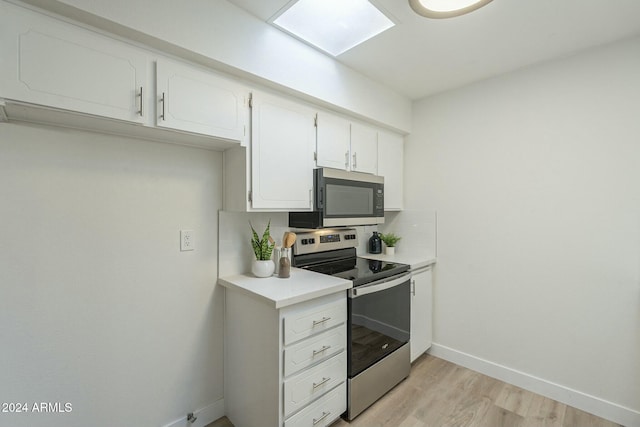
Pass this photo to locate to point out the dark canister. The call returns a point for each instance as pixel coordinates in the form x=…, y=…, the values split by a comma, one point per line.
x=375, y=244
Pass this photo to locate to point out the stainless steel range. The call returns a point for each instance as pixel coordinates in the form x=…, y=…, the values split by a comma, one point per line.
x=379, y=312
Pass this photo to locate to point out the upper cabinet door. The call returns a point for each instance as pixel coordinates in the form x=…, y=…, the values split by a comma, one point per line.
x=50, y=63
x=364, y=148
x=333, y=142
x=282, y=137
x=194, y=100
x=390, y=166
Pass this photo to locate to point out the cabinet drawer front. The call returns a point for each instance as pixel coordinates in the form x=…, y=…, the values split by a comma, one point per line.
x=322, y=412
x=314, y=350
x=312, y=321
x=311, y=384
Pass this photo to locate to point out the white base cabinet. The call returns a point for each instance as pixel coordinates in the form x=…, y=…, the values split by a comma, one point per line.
x=288, y=366
x=421, y=311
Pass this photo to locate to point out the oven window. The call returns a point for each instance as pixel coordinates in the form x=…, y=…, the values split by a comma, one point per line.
x=379, y=325
x=347, y=200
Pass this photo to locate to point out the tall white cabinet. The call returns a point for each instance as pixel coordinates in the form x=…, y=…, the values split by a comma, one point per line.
x=275, y=170
x=390, y=166
x=421, y=311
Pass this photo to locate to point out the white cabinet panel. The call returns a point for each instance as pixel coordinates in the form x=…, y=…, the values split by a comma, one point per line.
x=313, y=383
x=333, y=142
x=322, y=412
x=198, y=101
x=390, y=166
x=421, y=312
x=364, y=148
x=51, y=63
x=343, y=144
x=282, y=136
x=308, y=320
x=314, y=350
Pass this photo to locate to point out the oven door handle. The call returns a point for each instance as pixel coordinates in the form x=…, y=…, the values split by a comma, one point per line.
x=378, y=286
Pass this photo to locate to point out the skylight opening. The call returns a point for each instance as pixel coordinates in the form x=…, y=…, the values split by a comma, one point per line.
x=333, y=26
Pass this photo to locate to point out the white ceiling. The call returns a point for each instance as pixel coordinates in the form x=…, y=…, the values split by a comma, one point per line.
x=421, y=56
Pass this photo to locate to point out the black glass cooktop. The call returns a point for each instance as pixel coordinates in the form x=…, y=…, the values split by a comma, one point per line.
x=359, y=270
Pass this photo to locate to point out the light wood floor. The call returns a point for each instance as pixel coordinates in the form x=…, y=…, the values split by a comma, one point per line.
x=439, y=393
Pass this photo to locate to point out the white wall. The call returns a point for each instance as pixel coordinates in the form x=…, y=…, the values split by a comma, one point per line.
x=219, y=32
x=536, y=179
x=98, y=307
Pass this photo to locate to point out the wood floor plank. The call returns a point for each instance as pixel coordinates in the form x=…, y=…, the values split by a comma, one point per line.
x=514, y=399
x=438, y=393
x=545, y=412
x=577, y=418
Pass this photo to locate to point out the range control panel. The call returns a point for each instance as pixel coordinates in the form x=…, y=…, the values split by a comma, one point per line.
x=308, y=242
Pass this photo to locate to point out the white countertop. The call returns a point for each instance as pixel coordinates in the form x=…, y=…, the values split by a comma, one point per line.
x=302, y=285
x=415, y=261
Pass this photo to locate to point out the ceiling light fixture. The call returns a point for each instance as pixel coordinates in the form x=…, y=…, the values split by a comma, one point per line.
x=333, y=26
x=445, y=8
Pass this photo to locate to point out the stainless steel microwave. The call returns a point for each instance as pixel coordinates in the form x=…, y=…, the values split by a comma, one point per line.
x=343, y=198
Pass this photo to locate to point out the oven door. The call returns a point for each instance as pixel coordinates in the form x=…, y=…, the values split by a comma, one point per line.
x=379, y=320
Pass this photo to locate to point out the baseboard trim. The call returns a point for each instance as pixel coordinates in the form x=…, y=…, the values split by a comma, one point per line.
x=585, y=402
x=204, y=416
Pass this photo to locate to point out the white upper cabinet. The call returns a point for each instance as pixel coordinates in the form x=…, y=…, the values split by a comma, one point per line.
x=282, y=137
x=342, y=144
x=333, y=141
x=364, y=148
x=194, y=100
x=390, y=166
x=55, y=64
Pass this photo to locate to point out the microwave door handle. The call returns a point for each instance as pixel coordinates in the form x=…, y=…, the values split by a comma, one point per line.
x=378, y=286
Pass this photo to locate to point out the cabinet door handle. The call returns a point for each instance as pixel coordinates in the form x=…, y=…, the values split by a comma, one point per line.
x=346, y=160
x=141, y=112
x=318, y=322
x=322, y=350
x=324, y=415
x=324, y=381
x=413, y=287
x=354, y=161
x=163, y=102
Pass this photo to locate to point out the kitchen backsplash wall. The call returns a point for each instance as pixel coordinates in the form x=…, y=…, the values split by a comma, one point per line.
x=234, y=251
x=417, y=228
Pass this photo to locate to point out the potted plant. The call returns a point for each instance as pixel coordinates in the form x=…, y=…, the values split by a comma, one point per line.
x=390, y=241
x=263, y=265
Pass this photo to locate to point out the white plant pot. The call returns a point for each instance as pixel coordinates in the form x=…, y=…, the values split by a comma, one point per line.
x=262, y=268
x=390, y=250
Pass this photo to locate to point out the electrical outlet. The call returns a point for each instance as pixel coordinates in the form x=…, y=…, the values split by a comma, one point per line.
x=187, y=242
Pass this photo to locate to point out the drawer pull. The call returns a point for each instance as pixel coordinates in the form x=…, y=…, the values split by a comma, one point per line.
x=324, y=381
x=322, y=350
x=319, y=322
x=324, y=415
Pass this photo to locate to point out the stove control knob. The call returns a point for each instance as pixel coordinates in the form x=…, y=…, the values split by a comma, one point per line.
x=304, y=241
x=312, y=241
